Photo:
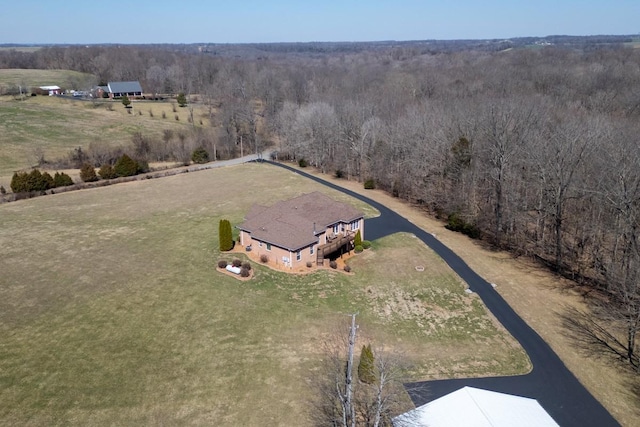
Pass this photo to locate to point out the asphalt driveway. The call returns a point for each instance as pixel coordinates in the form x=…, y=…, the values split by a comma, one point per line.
x=550, y=382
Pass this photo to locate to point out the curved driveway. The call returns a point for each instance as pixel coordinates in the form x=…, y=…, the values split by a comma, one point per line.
x=550, y=382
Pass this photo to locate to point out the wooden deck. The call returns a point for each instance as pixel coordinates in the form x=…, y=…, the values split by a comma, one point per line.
x=334, y=245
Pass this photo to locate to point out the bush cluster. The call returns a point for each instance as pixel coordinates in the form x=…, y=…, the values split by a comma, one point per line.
x=347, y=268
x=264, y=258
x=456, y=223
x=236, y=263
x=333, y=264
x=222, y=263
x=200, y=155
x=23, y=182
x=302, y=163
x=246, y=265
x=174, y=146
x=358, y=248
x=366, y=244
x=370, y=184
x=124, y=166
x=244, y=272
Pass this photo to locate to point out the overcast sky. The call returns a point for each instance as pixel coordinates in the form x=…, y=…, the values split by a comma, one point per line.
x=249, y=21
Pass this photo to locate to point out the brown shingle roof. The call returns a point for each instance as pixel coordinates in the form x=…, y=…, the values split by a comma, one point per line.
x=290, y=223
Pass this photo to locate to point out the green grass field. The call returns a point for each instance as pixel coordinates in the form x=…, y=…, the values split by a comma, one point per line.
x=112, y=312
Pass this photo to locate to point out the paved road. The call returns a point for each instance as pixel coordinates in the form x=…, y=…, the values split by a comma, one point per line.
x=550, y=382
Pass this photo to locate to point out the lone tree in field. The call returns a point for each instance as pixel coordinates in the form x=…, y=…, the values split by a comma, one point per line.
x=366, y=367
x=226, y=236
x=126, y=101
x=181, y=99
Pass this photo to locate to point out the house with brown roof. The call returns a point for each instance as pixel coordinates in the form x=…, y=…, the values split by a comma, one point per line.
x=307, y=228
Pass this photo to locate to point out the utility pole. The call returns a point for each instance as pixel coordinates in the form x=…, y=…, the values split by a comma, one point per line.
x=349, y=409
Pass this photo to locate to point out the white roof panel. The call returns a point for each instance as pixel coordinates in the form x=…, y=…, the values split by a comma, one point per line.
x=473, y=407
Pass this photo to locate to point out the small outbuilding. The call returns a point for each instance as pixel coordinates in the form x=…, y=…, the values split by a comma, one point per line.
x=50, y=90
x=474, y=407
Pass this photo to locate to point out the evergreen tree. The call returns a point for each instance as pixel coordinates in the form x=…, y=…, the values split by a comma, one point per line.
x=357, y=241
x=19, y=182
x=200, y=155
x=366, y=367
x=37, y=182
x=48, y=181
x=88, y=173
x=126, y=101
x=181, y=99
x=62, y=180
x=107, y=172
x=225, y=235
x=126, y=166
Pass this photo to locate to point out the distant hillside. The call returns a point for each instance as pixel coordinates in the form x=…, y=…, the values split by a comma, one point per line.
x=265, y=50
x=421, y=46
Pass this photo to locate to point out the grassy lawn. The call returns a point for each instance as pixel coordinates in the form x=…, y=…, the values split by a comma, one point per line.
x=111, y=311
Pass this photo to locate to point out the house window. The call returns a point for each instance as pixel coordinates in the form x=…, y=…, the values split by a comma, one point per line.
x=355, y=225
x=311, y=250
x=298, y=255
x=336, y=228
x=268, y=246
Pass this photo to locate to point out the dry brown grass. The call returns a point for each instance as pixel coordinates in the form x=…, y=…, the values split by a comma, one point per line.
x=32, y=78
x=111, y=311
x=52, y=127
x=535, y=293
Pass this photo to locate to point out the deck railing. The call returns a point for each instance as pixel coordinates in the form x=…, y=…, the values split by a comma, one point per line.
x=334, y=244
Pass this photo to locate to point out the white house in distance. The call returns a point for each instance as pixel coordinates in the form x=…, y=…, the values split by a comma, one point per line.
x=304, y=229
x=474, y=407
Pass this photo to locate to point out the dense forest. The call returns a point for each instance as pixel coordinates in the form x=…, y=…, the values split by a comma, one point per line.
x=533, y=149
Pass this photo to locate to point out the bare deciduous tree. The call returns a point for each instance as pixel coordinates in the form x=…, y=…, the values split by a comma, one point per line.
x=340, y=399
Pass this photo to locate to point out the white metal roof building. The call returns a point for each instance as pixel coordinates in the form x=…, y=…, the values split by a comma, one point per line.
x=474, y=407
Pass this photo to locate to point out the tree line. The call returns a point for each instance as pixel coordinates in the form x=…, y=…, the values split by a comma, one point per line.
x=534, y=150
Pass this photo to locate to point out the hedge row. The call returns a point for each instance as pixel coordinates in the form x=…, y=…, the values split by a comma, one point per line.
x=23, y=182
